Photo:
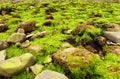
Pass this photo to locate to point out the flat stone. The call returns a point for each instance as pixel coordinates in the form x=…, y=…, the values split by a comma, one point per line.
x=16, y=37
x=14, y=65
x=2, y=55
x=113, y=36
x=48, y=74
x=36, y=69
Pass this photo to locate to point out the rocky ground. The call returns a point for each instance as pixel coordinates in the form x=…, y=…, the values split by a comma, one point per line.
x=59, y=40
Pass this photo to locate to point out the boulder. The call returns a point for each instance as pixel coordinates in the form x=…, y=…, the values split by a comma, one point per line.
x=14, y=65
x=2, y=55
x=27, y=26
x=3, y=27
x=48, y=74
x=113, y=36
x=3, y=45
x=36, y=69
x=16, y=37
x=73, y=57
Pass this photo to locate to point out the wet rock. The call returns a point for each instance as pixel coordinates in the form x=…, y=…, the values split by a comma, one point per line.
x=16, y=37
x=39, y=34
x=2, y=55
x=34, y=48
x=113, y=36
x=50, y=75
x=49, y=17
x=36, y=69
x=3, y=45
x=14, y=65
x=3, y=27
x=27, y=26
x=73, y=57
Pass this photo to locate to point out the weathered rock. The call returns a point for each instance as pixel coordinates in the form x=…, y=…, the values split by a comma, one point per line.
x=3, y=45
x=48, y=74
x=3, y=27
x=73, y=57
x=27, y=26
x=20, y=30
x=39, y=34
x=16, y=37
x=36, y=69
x=2, y=55
x=113, y=36
x=101, y=40
x=14, y=65
x=34, y=48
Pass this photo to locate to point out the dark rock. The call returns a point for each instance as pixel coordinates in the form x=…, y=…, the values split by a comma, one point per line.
x=5, y=10
x=3, y=45
x=27, y=26
x=48, y=23
x=101, y=40
x=3, y=27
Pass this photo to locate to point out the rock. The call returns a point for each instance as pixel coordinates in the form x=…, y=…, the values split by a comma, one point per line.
x=39, y=34
x=71, y=58
x=66, y=45
x=20, y=30
x=113, y=27
x=6, y=10
x=2, y=55
x=113, y=36
x=36, y=69
x=48, y=23
x=16, y=37
x=3, y=27
x=3, y=45
x=14, y=65
x=48, y=59
x=27, y=26
x=48, y=74
x=101, y=40
x=25, y=44
x=49, y=17
x=28, y=37
x=34, y=48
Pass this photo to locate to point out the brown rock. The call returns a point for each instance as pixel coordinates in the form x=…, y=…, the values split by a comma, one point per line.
x=3, y=27
x=49, y=17
x=27, y=26
x=3, y=45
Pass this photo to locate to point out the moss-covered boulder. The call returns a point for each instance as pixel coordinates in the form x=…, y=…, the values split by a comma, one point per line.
x=73, y=57
x=14, y=65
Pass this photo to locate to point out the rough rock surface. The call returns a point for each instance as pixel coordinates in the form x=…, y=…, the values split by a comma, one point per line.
x=34, y=48
x=48, y=74
x=2, y=55
x=14, y=65
x=3, y=45
x=27, y=26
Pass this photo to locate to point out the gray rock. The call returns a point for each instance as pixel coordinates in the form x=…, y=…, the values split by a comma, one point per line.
x=113, y=36
x=25, y=44
x=14, y=65
x=39, y=34
x=3, y=27
x=2, y=55
x=3, y=45
x=48, y=74
x=34, y=48
x=36, y=69
x=16, y=37
x=20, y=30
